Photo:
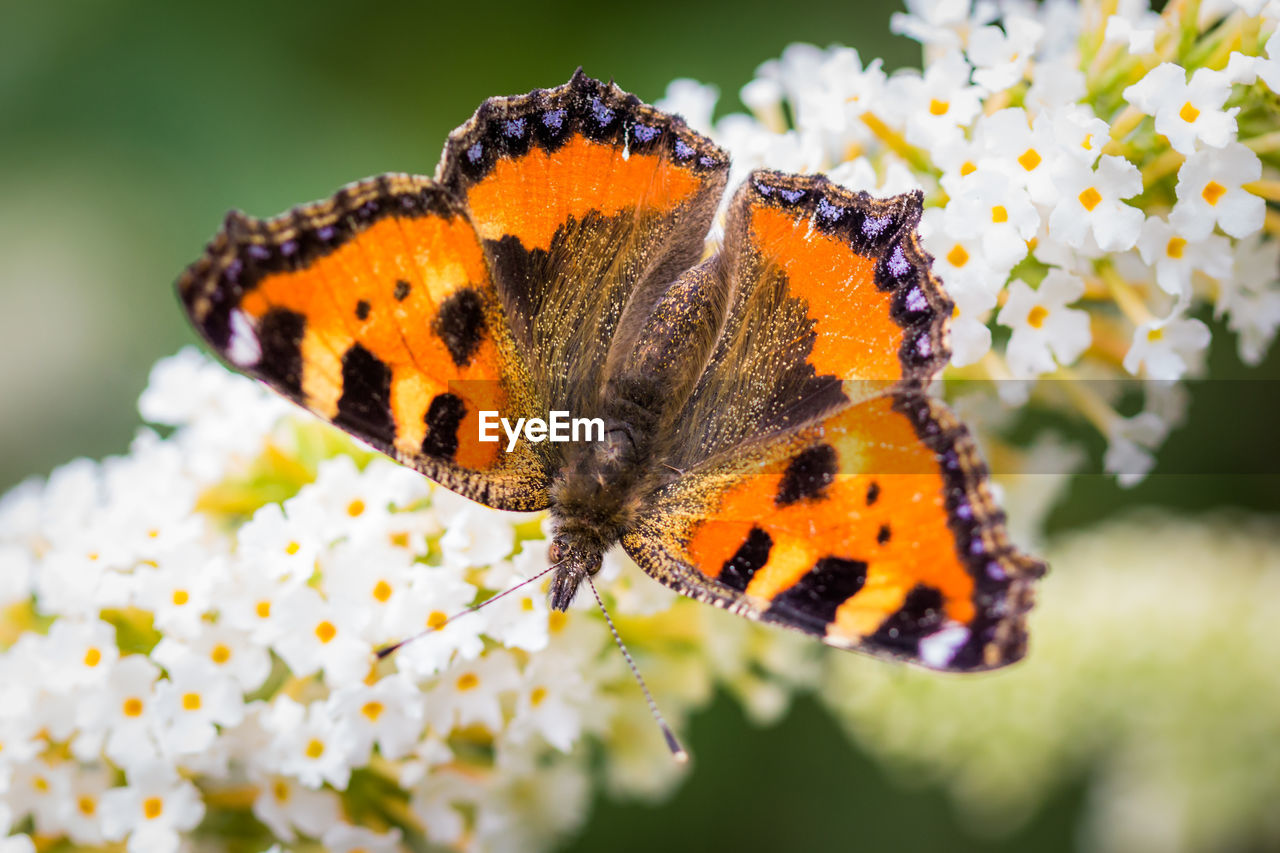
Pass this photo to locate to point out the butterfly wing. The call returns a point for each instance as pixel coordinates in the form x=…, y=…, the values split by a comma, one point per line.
x=376, y=310
x=824, y=285
x=589, y=204
x=824, y=490
x=872, y=528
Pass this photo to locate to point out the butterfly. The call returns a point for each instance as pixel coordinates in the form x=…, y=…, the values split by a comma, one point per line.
x=767, y=444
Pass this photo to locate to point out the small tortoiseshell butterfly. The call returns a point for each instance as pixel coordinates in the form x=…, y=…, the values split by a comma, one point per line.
x=768, y=444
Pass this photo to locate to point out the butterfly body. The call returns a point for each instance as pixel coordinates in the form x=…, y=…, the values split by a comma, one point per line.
x=768, y=446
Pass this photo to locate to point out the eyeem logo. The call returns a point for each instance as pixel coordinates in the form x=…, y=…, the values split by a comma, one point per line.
x=558, y=427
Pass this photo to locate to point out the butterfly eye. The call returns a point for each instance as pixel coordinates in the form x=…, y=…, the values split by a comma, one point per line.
x=554, y=552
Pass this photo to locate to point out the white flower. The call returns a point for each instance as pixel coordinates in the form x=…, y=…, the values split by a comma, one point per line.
x=959, y=260
x=192, y=702
x=1210, y=191
x=1000, y=57
x=1186, y=112
x=39, y=787
x=252, y=602
x=941, y=23
x=1138, y=35
x=970, y=335
x=280, y=547
x=474, y=537
x=1046, y=332
x=388, y=713
x=471, y=693
x=17, y=844
x=439, y=593
x=1078, y=132
x=692, y=101
x=1129, y=445
x=996, y=210
x=226, y=649
x=345, y=838
x=317, y=637
x=288, y=807
x=1251, y=297
x=344, y=500
x=1090, y=203
x=82, y=819
x=151, y=810
x=124, y=709
x=17, y=568
x=311, y=744
x=81, y=653
x=178, y=591
x=1175, y=257
x=1027, y=152
x=550, y=701
x=368, y=585
x=519, y=620
x=936, y=104
x=1165, y=348
x=1269, y=69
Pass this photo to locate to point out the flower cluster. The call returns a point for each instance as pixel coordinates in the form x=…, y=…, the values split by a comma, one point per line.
x=190, y=634
x=1095, y=176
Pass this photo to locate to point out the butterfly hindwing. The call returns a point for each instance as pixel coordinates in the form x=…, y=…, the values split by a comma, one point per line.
x=376, y=310
x=827, y=285
x=871, y=529
x=589, y=203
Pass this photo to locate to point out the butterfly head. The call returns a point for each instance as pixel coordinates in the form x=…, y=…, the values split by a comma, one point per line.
x=576, y=562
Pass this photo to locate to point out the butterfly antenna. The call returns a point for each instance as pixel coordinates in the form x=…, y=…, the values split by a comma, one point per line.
x=387, y=651
x=677, y=751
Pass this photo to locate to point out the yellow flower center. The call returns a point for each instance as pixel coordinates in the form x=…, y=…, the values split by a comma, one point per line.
x=400, y=540
x=152, y=808
x=180, y=597
x=220, y=654
x=556, y=621
x=280, y=791
x=436, y=620
x=999, y=214
x=939, y=108
x=1030, y=159
x=526, y=604
x=326, y=631
x=263, y=609
x=315, y=748
x=382, y=591
x=372, y=710
x=87, y=805
x=1175, y=248
x=92, y=657
x=968, y=168
x=1188, y=113
x=1088, y=141
x=1090, y=198
x=1154, y=335
x=292, y=548
x=468, y=681
x=132, y=707
x=1036, y=316
x=957, y=257
x=41, y=784
x=191, y=701
x=355, y=508
x=1213, y=193
x=537, y=695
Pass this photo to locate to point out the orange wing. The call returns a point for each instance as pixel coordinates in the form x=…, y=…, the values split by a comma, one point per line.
x=376, y=311
x=589, y=204
x=827, y=285
x=872, y=529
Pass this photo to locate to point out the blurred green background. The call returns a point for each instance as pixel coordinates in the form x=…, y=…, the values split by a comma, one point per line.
x=127, y=129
